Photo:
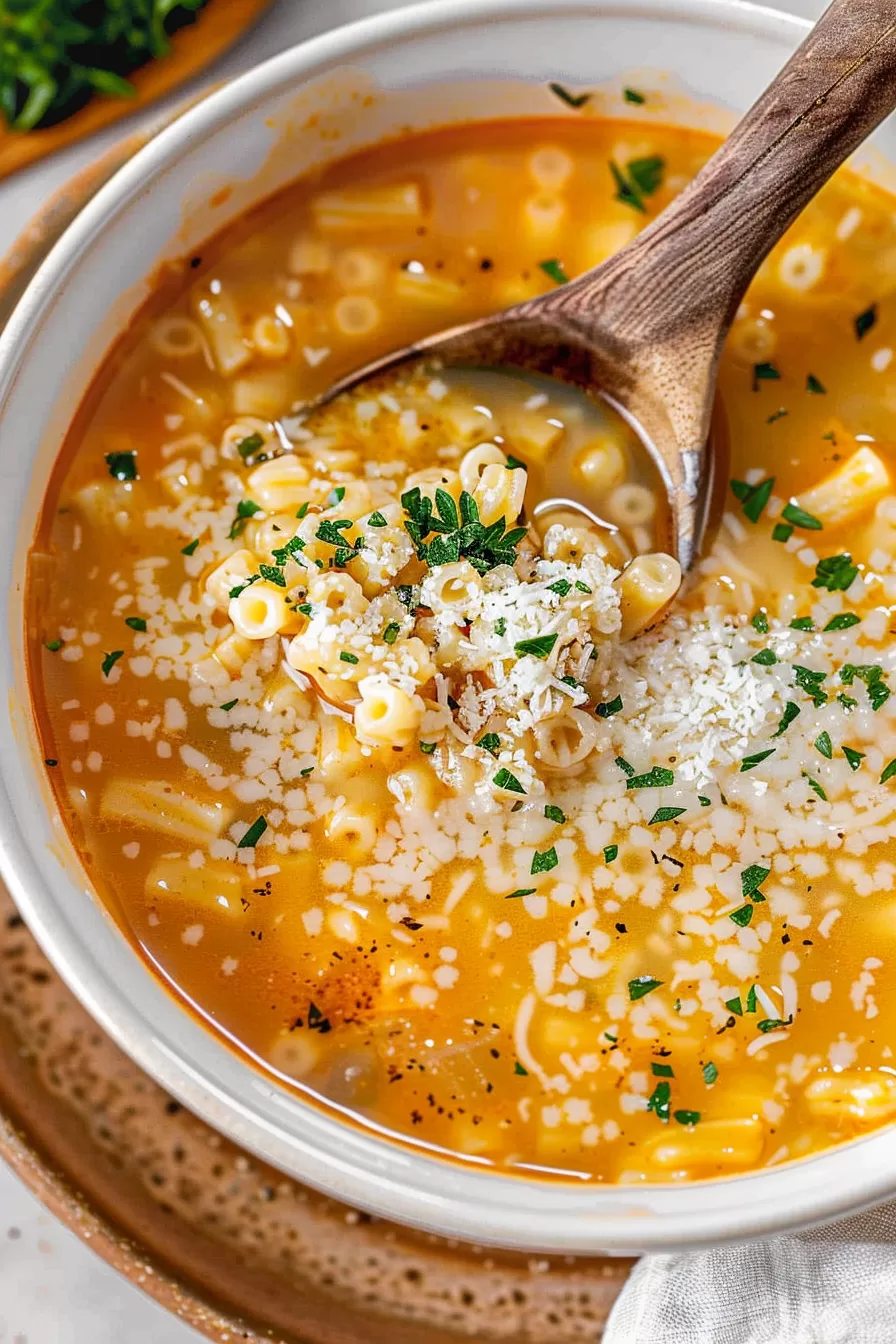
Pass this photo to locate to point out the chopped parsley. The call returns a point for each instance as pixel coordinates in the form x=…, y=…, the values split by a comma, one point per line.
x=110, y=659
x=539, y=647
x=703, y=800
x=790, y=712
x=554, y=271
x=53, y=645
x=505, y=780
x=765, y=658
x=336, y=496
x=792, y=513
x=245, y=509
x=135, y=623
x=570, y=99
x=772, y=1023
x=661, y=1070
x=458, y=536
x=710, y=1073
x=610, y=853
x=659, y=1101
x=742, y=915
x=750, y=762
x=520, y=891
x=865, y=321
x=845, y=620
x=501, y=627
x=490, y=742
x=759, y=622
x=889, y=771
x=688, y=1117
x=835, y=572
x=249, y=446
x=633, y=96
x=562, y=587
x=274, y=574
x=752, y=878
x=543, y=861
x=764, y=373
x=624, y=766
x=753, y=498
x=782, y=532
x=348, y=658
x=191, y=547
x=555, y=814
x=639, y=178
x=873, y=677
x=779, y=414
x=657, y=778
x=854, y=758
x=607, y=708
x=122, y=466
x=641, y=985
x=666, y=814
x=813, y=385
x=376, y=519
x=810, y=681
x=751, y=999
x=427, y=747
x=229, y=704
x=823, y=744
x=253, y=834
x=814, y=786
x=735, y=1006
x=802, y=623
x=518, y=1068
x=391, y=632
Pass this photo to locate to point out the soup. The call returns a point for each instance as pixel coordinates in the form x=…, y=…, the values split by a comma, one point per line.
x=436, y=806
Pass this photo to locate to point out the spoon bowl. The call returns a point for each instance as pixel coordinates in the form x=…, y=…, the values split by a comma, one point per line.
x=646, y=328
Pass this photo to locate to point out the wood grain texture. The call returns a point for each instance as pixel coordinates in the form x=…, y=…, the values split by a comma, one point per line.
x=647, y=326
x=192, y=48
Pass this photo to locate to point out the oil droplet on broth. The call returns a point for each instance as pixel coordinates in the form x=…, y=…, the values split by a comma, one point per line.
x=574, y=447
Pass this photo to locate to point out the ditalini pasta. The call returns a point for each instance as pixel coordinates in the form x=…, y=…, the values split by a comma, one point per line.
x=477, y=821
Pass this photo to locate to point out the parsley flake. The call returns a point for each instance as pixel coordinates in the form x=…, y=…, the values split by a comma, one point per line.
x=610, y=853
x=348, y=658
x=657, y=778
x=782, y=532
x=554, y=271
x=865, y=321
x=750, y=762
x=752, y=878
x=763, y=373
x=53, y=645
x=505, y=780
x=229, y=704
x=666, y=814
x=835, y=573
x=735, y=1006
x=888, y=772
x=792, y=513
x=687, y=1117
x=136, y=623
x=555, y=814
x=814, y=786
x=520, y=891
x=518, y=1069
x=742, y=915
x=802, y=623
x=190, y=548
x=823, y=744
x=607, y=708
x=633, y=96
x=661, y=1070
x=539, y=647
x=543, y=861
x=110, y=659
x=122, y=466
x=253, y=834
x=391, y=632
x=759, y=622
x=753, y=498
x=813, y=385
x=853, y=757
x=710, y=1073
x=790, y=712
x=249, y=446
x=641, y=985
x=659, y=1101
x=765, y=657
x=376, y=519
x=570, y=99
x=845, y=620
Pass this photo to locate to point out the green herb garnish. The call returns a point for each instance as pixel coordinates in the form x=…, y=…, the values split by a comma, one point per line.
x=505, y=780
x=254, y=834
x=661, y=1070
x=391, y=632
x=135, y=623
x=555, y=814
x=782, y=532
x=888, y=772
x=570, y=99
x=122, y=466
x=802, y=623
x=792, y=513
x=110, y=659
x=865, y=321
x=607, y=708
x=249, y=446
x=835, y=572
x=814, y=786
x=520, y=891
x=687, y=1117
x=750, y=762
x=823, y=744
x=759, y=622
x=735, y=1006
x=813, y=385
x=710, y=1073
x=229, y=704
x=764, y=373
x=639, y=178
x=539, y=647
x=790, y=712
x=490, y=742
x=633, y=96
x=641, y=985
x=544, y=861
x=657, y=778
x=191, y=547
x=348, y=658
x=554, y=271
x=610, y=853
x=666, y=814
x=742, y=916
x=53, y=645
x=752, y=878
x=659, y=1101
x=765, y=658
x=844, y=621
x=753, y=498
x=853, y=757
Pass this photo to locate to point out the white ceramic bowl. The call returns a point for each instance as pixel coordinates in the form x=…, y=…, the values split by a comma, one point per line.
x=444, y=62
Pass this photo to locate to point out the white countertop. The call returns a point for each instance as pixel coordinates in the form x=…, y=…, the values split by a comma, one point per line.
x=53, y=1290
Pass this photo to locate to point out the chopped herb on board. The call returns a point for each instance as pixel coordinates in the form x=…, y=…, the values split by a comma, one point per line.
x=253, y=834
x=570, y=99
x=122, y=466
x=641, y=985
x=110, y=659
x=753, y=498
x=554, y=271
x=865, y=321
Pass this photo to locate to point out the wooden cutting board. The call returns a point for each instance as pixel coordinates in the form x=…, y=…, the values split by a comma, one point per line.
x=193, y=47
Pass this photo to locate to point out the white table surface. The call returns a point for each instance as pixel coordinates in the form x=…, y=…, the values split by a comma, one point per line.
x=53, y=1289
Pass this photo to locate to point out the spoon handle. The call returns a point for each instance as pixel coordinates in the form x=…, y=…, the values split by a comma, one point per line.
x=684, y=276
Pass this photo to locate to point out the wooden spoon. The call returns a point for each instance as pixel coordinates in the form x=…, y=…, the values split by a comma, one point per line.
x=646, y=327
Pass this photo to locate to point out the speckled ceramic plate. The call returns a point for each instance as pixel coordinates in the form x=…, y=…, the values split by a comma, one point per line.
x=228, y=1244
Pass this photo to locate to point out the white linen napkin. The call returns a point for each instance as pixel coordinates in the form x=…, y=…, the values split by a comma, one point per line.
x=833, y=1285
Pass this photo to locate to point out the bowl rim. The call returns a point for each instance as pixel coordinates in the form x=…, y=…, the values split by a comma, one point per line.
x=348, y=1162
